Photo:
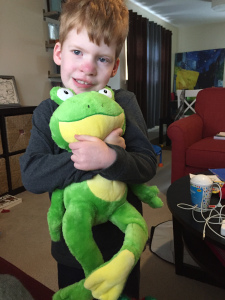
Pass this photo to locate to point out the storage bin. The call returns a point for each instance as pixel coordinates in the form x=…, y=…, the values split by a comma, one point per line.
x=18, y=131
x=3, y=177
x=14, y=164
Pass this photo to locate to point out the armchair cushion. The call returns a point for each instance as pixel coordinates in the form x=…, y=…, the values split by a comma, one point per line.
x=206, y=153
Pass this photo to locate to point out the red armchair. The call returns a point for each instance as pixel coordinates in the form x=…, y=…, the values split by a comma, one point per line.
x=193, y=148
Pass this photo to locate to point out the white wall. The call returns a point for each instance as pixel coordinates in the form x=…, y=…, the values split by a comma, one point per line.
x=202, y=37
x=22, y=48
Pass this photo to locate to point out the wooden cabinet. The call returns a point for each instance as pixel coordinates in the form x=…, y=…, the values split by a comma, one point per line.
x=15, y=127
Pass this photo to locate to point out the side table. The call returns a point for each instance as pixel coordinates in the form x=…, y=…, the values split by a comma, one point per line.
x=188, y=232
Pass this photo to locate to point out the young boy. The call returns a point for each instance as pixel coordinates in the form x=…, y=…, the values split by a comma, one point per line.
x=92, y=33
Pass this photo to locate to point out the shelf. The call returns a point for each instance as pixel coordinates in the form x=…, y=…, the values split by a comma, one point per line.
x=51, y=15
x=53, y=75
x=49, y=45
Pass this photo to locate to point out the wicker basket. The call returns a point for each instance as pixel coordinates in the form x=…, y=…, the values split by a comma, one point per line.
x=18, y=131
x=3, y=177
x=15, y=171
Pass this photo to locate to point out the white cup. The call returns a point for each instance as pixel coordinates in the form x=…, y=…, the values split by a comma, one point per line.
x=201, y=191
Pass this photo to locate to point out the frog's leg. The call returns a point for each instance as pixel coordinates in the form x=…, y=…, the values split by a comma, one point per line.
x=77, y=231
x=55, y=215
x=108, y=281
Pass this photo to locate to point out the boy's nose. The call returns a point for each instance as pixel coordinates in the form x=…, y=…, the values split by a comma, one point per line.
x=88, y=68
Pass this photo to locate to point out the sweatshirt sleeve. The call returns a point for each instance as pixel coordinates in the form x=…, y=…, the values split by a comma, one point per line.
x=44, y=166
x=137, y=163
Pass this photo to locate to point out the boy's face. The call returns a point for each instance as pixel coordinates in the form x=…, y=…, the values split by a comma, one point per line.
x=84, y=65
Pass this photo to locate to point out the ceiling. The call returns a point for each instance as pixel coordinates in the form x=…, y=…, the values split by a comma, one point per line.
x=183, y=12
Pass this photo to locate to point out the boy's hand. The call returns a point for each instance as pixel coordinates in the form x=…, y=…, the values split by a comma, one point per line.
x=91, y=153
x=115, y=138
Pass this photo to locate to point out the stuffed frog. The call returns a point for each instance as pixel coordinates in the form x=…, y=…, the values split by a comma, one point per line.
x=79, y=206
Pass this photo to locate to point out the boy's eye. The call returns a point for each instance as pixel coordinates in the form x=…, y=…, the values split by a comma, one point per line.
x=102, y=59
x=77, y=52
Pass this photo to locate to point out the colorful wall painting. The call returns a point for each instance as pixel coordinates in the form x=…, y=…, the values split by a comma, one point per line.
x=199, y=69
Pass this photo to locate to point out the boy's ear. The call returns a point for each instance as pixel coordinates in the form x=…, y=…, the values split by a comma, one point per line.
x=57, y=54
x=115, y=68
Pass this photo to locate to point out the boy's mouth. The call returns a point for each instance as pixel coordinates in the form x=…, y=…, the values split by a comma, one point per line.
x=83, y=85
x=82, y=82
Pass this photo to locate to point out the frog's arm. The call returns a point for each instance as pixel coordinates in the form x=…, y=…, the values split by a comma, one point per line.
x=147, y=194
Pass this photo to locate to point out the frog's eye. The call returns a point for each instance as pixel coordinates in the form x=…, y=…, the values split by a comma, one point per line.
x=64, y=94
x=106, y=92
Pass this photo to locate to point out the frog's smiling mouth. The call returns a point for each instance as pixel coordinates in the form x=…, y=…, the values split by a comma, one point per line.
x=96, y=125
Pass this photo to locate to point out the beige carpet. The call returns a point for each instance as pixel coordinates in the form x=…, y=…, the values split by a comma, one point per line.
x=25, y=242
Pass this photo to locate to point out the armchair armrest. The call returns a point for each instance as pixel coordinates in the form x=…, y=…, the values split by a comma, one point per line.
x=183, y=133
x=186, y=131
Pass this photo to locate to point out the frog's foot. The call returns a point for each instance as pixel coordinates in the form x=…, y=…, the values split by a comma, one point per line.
x=107, y=282
x=73, y=292
x=147, y=194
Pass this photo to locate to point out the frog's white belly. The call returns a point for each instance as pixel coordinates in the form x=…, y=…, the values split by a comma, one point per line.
x=107, y=190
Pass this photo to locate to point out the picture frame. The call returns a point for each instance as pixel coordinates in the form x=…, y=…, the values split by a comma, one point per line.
x=8, y=91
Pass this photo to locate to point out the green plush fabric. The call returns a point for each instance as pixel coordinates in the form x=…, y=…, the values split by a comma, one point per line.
x=80, y=206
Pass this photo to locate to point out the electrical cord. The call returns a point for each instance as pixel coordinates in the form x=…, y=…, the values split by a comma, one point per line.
x=207, y=220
